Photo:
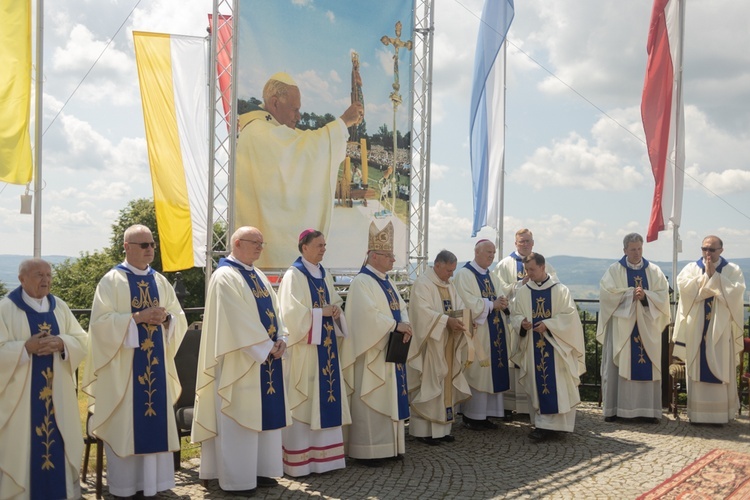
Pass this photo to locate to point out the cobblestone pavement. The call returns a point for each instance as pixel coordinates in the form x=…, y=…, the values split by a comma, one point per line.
x=617, y=460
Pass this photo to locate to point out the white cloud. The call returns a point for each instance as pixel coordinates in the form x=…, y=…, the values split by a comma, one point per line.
x=438, y=171
x=573, y=162
x=330, y=16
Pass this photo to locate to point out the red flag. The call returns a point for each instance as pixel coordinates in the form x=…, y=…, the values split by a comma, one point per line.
x=662, y=113
x=224, y=59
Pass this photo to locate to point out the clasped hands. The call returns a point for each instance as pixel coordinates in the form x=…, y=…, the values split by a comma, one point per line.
x=44, y=344
x=278, y=349
x=404, y=328
x=332, y=310
x=151, y=315
x=639, y=293
x=538, y=327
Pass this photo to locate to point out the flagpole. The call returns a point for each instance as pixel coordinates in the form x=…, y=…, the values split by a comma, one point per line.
x=501, y=183
x=678, y=137
x=38, y=130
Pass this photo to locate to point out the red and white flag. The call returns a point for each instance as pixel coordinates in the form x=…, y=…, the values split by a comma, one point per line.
x=663, y=116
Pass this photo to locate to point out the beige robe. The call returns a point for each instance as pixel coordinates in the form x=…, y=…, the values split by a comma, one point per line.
x=618, y=315
x=707, y=402
x=378, y=432
x=565, y=334
x=109, y=366
x=479, y=372
x=429, y=362
x=234, y=342
x=15, y=411
x=285, y=181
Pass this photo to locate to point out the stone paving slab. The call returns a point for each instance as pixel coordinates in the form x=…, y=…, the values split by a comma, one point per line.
x=600, y=460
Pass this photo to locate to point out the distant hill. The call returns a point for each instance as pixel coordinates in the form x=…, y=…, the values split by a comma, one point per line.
x=9, y=267
x=580, y=274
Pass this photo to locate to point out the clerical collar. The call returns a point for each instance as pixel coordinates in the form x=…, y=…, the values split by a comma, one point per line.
x=476, y=266
x=377, y=273
x=135, y=270
x=540, y=283
x=313, y=269
x=234, y=259
x=636, y=266
x=38, y=305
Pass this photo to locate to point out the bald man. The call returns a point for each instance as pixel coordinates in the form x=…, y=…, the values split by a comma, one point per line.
x=488, y=375
x=285, y=177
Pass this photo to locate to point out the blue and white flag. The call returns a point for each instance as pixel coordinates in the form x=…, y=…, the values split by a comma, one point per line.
x=487, y=119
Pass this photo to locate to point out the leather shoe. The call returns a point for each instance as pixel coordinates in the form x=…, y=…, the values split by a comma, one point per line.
x=488, y=424
x=474, y=425
x=508, y=416
x=429, y=440
x=611, y=418
x=447, y=439
x=241, y=493
x=371, y=462
x=267, y=482
x=540, y=435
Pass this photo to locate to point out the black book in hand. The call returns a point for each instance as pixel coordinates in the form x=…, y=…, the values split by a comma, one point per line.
x=397, y=351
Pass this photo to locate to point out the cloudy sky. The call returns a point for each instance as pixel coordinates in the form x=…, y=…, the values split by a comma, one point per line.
x=577, y=173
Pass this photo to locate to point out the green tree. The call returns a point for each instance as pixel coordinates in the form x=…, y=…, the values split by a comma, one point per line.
x=3, y=289
x=76, y=279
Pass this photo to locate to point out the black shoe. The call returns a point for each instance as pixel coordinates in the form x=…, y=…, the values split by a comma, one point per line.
x=429, y=440
x=267, y=482
x=539, y=435
x=447, y=439
x=241, y=493
x=651, y=420
x=611, y=418
x=508, y=416
x=488, y=424
x=474, y=425
x=371, y=462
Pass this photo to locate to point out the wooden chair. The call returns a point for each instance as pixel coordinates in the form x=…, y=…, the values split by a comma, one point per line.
x=677, y=380
x=743, y=388
x=186, y=363
x=88, y=440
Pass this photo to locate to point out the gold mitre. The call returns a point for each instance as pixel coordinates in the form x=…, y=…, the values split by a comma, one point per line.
x=284, y=78
x=380, y=240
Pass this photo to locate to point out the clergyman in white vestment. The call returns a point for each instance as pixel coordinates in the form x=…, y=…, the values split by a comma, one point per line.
x=312, y=313
x=136, y=327
x=240, y=403
x=708, y=333
x=634, y=311
x=41, y=345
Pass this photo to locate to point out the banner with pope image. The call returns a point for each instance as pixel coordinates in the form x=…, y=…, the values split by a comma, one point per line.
x=297, y=165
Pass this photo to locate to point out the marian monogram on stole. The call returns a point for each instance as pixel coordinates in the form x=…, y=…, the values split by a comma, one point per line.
x=147, y=378
x=542, y=312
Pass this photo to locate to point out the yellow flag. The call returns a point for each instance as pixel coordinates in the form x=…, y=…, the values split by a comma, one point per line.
x=15, y=91
x=172, y=72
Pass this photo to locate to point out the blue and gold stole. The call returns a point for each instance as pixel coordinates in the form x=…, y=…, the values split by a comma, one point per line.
x=544, y=353
x=498, y=338
x=395, y=307
x=520, y=271
x=706, y=375
x=328, y=354
x=150, y=431
x=641, y=367
x=47, y=455
x=271, y=373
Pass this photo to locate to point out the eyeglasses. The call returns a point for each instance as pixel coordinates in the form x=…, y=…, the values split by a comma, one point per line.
x=259, y=244
x=143, y=245
x=709, y=249
x=384, y=254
